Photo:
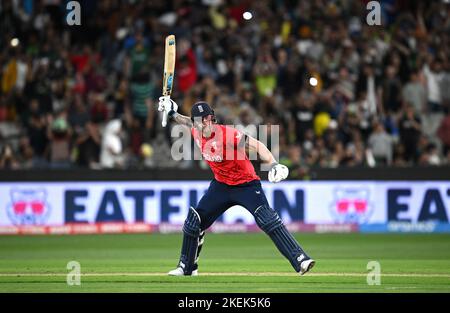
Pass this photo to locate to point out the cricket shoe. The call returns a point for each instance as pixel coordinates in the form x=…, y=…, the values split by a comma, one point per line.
x=306, y=266
x=180, y=272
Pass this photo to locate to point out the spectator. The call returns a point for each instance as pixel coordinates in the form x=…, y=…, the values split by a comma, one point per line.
x=141, y=91
x=391, y=90
x=120, y=98
x=265, y=74
x=99, y=110
x=302, y=115
x=354, y=152
x=36, y=126
x=434, y=77
x=112, y=152
x=7, y=159
x=138, y=59
x=380, y=144
x=25, y=155
x=414, y=93
x=443, y=133
x=78, y=115
x=59, y=134
x=369, y=85
x=186, y=67
x=432, y=155
x=88, y=146
x=410, y=127
x=293, y=160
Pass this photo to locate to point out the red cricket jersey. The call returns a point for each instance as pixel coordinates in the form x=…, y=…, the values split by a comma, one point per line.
x=226, y=158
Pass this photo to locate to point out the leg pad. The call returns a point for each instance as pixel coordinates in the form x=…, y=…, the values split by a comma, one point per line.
x=270, y=222
x=191, y=230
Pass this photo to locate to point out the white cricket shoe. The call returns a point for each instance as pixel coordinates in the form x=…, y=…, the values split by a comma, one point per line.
x=179, y=272
x=306, y=265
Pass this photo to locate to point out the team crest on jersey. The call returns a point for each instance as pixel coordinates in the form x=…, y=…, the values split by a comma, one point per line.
x=211, y=152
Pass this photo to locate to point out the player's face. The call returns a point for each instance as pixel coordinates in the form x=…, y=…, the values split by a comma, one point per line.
x=207, y=124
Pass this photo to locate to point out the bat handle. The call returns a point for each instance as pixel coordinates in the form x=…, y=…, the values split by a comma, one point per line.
x=164, y=119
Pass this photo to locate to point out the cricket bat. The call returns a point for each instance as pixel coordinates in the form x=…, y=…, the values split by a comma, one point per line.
x=169, y=71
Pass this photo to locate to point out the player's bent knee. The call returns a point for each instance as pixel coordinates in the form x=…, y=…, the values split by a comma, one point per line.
x=267, y=219
x=192, y=223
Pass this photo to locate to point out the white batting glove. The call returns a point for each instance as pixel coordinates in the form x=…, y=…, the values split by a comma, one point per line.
x=278, y=172
x=167, y=104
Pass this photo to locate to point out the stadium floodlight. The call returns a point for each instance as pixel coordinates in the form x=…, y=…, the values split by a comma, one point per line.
x=313, y=81
x=14, y=42
x=247, y=15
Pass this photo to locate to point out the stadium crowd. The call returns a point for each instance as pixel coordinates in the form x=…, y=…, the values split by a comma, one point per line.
x=344, y=93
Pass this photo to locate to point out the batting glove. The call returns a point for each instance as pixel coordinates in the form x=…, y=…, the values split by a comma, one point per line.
x=278, y=172
x=167, y=104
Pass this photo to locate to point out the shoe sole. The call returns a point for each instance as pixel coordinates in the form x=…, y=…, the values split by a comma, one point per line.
x=310, y=266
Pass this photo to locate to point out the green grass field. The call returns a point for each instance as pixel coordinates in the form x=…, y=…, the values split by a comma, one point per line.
x=229, y=263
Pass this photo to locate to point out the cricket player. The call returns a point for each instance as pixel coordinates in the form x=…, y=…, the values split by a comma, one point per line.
x=235, y=183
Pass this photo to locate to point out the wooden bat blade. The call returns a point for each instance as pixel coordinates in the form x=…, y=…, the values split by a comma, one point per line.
x=169, y=65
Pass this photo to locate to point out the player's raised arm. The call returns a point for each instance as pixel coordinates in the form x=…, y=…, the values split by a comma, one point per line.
x=277, y=172
x=171, y=107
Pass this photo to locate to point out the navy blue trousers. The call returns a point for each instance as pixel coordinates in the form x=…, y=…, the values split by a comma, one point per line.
x=219, y=197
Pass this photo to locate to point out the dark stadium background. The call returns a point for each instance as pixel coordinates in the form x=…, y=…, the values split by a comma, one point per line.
x=379, y=88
